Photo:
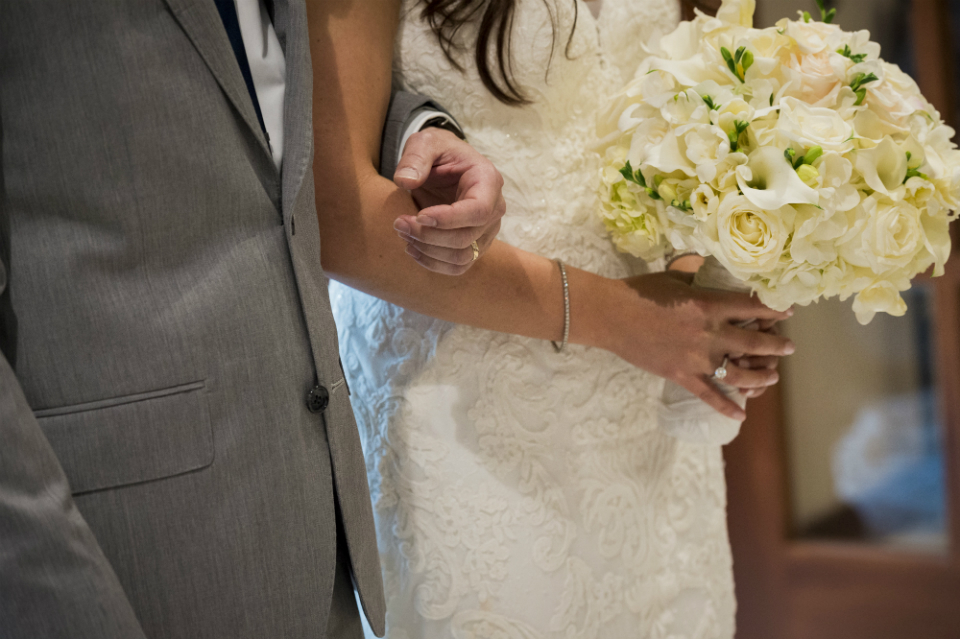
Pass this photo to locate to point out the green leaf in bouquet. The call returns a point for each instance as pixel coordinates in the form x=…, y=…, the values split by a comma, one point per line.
x=807, y=17
x=913, y=169
x=826, y=15
x=636, y=176
x=857, y=86
x=791, y=155
x=911, y=173
x=739, y=62
x=633, y=176
x=713, y=106
x=728, y=57
x=740, y=127
x=848, y=53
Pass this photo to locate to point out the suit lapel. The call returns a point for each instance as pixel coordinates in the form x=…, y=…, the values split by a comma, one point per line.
x=200, y=20
x=290, y=22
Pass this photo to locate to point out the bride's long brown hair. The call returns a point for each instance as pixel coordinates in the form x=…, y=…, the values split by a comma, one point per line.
x=447, y=17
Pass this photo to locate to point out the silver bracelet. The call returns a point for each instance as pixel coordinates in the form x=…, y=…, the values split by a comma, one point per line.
x=566, y=309
x=678, y=256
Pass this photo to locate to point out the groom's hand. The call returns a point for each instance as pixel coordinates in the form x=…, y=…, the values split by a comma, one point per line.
x=459, y=194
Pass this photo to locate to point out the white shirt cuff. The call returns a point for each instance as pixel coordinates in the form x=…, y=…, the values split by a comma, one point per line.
x=417, y=119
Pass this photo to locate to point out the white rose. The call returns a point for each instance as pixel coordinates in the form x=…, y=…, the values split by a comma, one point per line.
x=749, y=240
x=897, y=96
x=815, y=78
x=891, y=236
x=814, y=126
x=810, y=37
x=881, y=297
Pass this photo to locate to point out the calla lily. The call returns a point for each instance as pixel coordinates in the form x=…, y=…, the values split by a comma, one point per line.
x=770, y=182
x=739, y=12
x=884, y=167
x=937, y=239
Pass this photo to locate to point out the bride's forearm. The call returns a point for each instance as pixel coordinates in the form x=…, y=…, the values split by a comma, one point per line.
x=508, y=290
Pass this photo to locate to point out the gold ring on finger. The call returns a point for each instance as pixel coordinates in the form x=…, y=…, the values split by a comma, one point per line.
x=476, y=251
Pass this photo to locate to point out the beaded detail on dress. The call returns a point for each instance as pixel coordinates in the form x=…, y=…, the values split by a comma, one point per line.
x=521, y=493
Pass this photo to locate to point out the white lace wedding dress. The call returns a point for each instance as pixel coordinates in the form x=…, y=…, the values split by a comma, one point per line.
x=522, y=494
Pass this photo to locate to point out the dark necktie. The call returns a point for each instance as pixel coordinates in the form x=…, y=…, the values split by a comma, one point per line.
x=228, y=14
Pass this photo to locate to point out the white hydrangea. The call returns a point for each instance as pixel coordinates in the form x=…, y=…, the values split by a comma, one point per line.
x=804, y=163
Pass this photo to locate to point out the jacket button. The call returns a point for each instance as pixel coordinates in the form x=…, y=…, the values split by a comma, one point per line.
x=318, y=399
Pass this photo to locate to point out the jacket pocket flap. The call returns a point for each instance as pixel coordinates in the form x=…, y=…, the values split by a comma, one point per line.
x=132, y=439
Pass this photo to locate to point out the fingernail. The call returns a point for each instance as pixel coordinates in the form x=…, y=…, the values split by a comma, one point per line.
x=412, y=252
x=408, y=173
x=774, y=379
x=790, y=349
x=790, y=312
x=426, y=220
x=401, y=226
x=739, y=415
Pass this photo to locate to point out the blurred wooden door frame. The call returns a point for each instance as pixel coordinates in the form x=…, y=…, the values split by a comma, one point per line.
x=789, y=588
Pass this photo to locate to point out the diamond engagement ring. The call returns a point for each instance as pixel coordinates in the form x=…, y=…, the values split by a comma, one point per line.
x=721, y=373
x=476, y=251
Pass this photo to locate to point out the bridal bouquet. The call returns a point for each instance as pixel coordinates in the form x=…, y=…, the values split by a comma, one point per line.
x=796, y=160
x=806, y=165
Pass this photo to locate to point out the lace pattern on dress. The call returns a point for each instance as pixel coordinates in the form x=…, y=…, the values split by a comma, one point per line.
x=520, y=493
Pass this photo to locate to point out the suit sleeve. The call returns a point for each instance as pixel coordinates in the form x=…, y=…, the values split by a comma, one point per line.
x=403, y=108
x=55, y=581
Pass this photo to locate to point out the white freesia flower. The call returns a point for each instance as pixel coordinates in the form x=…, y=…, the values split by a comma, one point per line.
x=704, y=201
x=881, y=297
x=816, y=234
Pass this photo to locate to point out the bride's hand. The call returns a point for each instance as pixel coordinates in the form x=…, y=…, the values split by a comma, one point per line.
x=662, y=324
x=769, y=362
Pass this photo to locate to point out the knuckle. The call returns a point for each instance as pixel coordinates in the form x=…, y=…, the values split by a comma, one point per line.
x=425, y=136
x=463, y=240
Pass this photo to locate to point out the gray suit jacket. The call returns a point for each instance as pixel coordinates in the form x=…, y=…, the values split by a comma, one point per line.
x=161, y=474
